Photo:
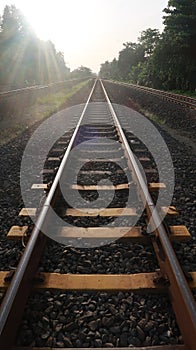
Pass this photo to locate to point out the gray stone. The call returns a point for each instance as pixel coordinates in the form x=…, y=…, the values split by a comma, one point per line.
x=93, y=325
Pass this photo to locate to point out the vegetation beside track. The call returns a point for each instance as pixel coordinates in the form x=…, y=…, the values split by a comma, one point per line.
x=176, y=120
x=182, y=136
x=53, y=102
x=185, y=93
x=165, y=61
x=42, y=108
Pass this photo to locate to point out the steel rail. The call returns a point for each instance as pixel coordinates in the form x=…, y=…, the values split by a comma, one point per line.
x=21, y=284
x=32, y=88
x=166, y=93
x=180, y=294
x=180, y=99
x=188, y=102
x=27, y=89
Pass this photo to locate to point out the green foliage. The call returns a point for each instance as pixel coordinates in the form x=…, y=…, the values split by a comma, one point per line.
x=180, y=39
x=42, y=108
x=148, y=40
x=81, y=72
x=132, y=58
x=24, y=59
x=110, y=70
x=185, y=93
x=57, y=99
x=163, y=61
x=129, y=57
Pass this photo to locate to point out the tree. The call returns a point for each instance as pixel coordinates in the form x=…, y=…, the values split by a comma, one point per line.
x=180, y=35
x=142, y=73
x=110, y=70
x=105, y=70
x=81, y=72
x=23, y=57
x=164, y=61
x=130, y=56
x=148, y=40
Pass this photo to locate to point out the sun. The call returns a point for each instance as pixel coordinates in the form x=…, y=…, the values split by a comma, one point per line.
x=67, y=23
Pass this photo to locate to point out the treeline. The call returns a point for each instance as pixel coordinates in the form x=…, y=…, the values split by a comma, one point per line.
x=162, y=61
x=27, y=60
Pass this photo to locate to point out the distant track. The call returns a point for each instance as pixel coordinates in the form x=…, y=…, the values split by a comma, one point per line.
x=185, y=101
x=28, y=89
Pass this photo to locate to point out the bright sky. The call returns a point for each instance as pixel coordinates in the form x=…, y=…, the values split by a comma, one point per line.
x=89, y=32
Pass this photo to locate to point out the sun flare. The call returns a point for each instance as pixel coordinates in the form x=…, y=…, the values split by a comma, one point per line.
x=89, y=32
x=68, y=25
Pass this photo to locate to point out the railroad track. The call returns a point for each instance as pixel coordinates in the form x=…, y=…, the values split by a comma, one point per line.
x=102, y=152
x=30, y=89
x=185, y=101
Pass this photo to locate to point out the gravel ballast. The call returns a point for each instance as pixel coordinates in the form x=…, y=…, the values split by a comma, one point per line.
x=58, y=319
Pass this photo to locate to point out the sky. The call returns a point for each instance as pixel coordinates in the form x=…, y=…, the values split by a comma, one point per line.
x=89, y=32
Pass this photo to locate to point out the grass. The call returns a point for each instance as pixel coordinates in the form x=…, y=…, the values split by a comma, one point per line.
x=44, y=107
x=153, y=117
x=186, y=93
x=10, y=133
x=56, y=100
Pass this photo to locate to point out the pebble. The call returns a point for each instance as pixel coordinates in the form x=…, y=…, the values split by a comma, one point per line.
x=125, y=328
x=67, y=342
x=98, y=343
x=93, y=325
x=118, y=319
x=107, y=321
